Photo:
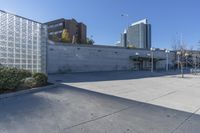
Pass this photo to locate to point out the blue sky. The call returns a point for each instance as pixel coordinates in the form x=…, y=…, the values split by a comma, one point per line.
x=169, y=18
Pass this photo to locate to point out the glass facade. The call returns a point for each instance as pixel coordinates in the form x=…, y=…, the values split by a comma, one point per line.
x=22, y=43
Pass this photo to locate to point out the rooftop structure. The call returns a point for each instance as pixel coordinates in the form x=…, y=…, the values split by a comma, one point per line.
x=144, y=21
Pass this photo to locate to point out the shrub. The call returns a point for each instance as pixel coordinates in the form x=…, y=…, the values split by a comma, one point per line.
x=10, y=78
x=41, y=79
x=28, y=83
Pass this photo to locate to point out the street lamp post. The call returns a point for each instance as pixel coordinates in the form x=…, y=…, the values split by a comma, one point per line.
x=152, y=56
x=126, y=19
x=167, y=59
x=149, y=55
x=178, y=62
x=124, y=35
x=198, y=61
x=137, y=54
x=195, y=64
x=186, y=60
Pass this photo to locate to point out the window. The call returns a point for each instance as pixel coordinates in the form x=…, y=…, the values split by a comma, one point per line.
x=60, y=24
x=55, y=25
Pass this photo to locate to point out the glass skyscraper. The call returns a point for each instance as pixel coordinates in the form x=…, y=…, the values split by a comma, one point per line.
x=138, y=35
x=22, y=43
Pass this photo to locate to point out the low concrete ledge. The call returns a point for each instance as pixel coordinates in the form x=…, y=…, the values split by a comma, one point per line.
x=13, y=94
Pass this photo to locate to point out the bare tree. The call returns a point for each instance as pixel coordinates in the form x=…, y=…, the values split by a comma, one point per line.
x=175, y=43
x=181, y=48
x=191, y=48
x=198, y=46
x=178, y=44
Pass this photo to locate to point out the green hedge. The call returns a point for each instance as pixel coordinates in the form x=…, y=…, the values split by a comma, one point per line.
x=41, y=79
x=10, y=78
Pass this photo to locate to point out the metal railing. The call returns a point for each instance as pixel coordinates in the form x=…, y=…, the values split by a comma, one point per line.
x=195, y=71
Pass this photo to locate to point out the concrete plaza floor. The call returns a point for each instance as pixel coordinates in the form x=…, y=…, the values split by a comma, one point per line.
x=163, y=89
x=128, y=102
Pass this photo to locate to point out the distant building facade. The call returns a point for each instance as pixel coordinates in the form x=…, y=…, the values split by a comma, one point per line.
x=138, y=35
x=24, y=45
x=77, y=32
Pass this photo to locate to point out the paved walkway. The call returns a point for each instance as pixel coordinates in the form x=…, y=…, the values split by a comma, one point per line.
x=169, y=91
x=69, y=109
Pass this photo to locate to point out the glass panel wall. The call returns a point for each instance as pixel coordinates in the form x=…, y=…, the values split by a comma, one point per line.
x=22, y=43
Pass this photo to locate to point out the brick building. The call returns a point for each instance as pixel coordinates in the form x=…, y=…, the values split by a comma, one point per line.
x=77, y=32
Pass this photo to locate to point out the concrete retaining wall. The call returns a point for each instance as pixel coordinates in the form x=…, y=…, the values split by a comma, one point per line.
x=62, y=58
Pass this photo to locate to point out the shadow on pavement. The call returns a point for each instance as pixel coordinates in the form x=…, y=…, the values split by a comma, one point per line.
x=107, y=76
x=69, y=108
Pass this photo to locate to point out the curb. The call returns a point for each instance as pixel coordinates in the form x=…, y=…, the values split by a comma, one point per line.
x=14, y=94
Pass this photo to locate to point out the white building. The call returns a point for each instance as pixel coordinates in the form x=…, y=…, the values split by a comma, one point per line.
x=137, y=35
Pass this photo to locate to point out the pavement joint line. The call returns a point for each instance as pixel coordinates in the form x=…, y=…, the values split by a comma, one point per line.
x=98, y=118
x=53, y=114
x=183, y=122
x=101, y=117
x=172, y=92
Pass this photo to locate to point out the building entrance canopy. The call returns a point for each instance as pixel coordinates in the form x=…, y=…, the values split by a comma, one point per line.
x=145, y=58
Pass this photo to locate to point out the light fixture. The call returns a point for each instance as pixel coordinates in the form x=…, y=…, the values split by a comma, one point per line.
x=136, y=53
